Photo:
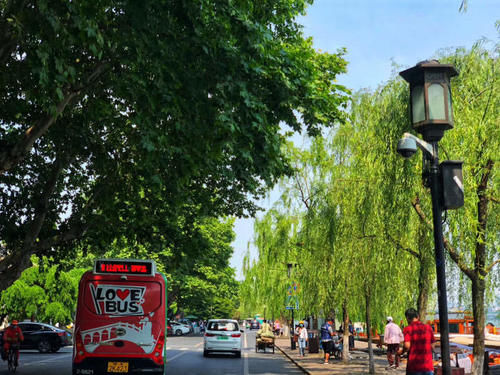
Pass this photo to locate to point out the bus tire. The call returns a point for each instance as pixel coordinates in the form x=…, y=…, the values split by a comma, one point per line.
x=205, y=353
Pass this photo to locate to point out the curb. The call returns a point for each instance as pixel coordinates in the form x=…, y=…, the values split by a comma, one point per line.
x=293, y=360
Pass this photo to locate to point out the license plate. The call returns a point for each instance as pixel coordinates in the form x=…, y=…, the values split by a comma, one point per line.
x=222, y=338
x=118, y=367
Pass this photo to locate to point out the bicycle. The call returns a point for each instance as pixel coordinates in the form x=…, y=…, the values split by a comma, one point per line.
x=12, y=358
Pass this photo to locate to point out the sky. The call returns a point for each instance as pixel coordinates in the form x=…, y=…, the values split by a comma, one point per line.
x=377, y=35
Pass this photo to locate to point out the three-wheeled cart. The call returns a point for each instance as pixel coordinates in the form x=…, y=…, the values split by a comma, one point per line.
x=263, y=342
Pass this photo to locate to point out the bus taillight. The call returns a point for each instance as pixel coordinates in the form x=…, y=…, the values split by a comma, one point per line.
x=157, y=353
x=79, y=349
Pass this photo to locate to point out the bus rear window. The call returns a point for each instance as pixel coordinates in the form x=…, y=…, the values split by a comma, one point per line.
x=122, y=299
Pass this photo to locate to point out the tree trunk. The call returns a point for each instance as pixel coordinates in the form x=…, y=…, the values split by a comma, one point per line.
x=478, y=288
x=345, y=339
x=369, y=334
x=424, y=272
x=423, y=287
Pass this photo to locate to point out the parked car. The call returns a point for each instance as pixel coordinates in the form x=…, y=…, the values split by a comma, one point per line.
x=222, y=335
x=188, y=323
x=170, y=331
x=180, y=329
x=43, y=337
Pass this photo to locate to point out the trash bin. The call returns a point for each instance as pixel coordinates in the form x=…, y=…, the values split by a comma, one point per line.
x=313, y=343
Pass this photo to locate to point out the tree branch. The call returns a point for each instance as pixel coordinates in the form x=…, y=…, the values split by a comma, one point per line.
x=407, y=249
x=490, y=267
x=18, y=260
x=455, y=256
x=15, y=153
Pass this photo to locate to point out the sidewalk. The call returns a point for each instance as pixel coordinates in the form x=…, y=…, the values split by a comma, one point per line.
x=313, y=363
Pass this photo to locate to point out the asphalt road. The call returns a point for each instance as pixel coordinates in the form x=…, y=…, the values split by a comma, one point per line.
x=34, y=363
x=184, y=357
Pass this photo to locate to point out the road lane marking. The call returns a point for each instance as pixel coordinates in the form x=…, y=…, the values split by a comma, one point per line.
x=245, y=358
x=182, y=353
x=51, y=359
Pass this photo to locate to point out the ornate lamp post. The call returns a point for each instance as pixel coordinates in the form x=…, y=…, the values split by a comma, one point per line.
x=431, y=115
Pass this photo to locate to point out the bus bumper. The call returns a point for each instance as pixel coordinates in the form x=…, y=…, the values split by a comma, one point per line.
x=99, y=366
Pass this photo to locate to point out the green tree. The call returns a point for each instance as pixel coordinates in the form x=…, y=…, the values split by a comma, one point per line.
x=43, y=292
x=125, y=119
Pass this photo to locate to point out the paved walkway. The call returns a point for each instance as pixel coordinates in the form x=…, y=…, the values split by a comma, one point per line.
x=312, y=363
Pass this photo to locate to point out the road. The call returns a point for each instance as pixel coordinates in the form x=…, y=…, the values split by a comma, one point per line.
x=34, y=363
x=184, y=356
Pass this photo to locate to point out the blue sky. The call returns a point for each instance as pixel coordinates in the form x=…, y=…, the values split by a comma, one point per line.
x=377, y=33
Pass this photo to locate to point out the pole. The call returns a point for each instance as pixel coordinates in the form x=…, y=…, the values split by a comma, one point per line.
x=292, y=333
x=440, y=262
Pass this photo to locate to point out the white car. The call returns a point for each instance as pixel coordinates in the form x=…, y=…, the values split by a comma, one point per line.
x=179, y=328
x=222, y=335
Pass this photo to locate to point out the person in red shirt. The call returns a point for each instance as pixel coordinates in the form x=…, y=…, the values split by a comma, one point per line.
x=419, y=341
x=12, y=337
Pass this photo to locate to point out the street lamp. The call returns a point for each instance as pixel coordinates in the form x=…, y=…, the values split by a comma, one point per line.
x=431, y=115
x=292, y=328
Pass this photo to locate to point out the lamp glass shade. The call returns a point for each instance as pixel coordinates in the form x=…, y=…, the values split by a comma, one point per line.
x=418, y=104
x=437, y=102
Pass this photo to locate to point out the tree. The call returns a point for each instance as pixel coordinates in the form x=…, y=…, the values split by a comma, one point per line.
x=43, y=292
x=120, y=119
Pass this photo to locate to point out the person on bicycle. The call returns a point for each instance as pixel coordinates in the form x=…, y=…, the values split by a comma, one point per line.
x=12, y=337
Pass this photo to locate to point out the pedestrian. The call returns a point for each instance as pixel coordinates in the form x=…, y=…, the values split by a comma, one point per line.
x=303, y=338
x=392, y=338
x=351, y=336
x=277, y=327
x=326, y=339
x=419, y=342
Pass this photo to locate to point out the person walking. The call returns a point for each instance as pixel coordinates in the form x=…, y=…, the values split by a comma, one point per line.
x=392, y=338
x=351, y=336
x=327, y=339
x=419, y=342
x=303, y=338
x=277, y=328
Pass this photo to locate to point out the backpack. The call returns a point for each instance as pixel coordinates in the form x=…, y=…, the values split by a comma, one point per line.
x=325, y=332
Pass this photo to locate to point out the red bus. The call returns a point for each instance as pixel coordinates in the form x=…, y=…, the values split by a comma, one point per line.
x=120, y=324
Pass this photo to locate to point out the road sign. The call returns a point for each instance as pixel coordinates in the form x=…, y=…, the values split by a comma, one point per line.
x=292, y=300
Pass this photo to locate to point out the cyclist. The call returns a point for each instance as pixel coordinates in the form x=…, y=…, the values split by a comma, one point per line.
x=12, y=338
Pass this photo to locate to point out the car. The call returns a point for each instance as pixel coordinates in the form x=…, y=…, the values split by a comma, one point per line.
x=188, y=323
x=179, y=329
x=170, y=331
x=43, y=337
x=222, y=335
x=254, y=324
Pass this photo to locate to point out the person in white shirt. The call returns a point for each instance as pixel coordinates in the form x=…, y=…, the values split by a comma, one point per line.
x=303, y=338
x=392, y=338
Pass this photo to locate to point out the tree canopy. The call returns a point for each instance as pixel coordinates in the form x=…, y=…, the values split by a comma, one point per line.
x=126, y=119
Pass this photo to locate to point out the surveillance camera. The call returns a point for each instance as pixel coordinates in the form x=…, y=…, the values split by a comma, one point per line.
x=407, y=147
